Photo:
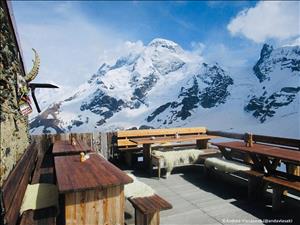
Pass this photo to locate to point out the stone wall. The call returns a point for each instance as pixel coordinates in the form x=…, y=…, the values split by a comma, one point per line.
x=13, y=125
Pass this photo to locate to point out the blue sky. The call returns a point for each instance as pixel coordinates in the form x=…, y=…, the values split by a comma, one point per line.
x=182, y=22
x=74, y=38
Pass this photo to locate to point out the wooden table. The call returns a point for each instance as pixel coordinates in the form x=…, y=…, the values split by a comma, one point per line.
x=93, y=190
x=66, y=148
x=201, y=143
x=266, y=157
x=263, y=156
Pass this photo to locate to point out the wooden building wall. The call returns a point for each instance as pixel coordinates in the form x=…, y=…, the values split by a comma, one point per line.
x=13, y=126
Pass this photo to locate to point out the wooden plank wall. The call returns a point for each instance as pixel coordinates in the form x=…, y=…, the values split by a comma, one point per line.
x=100, y=142
x=107, y=206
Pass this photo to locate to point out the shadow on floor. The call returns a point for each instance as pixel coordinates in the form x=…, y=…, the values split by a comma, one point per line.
x=226, y=186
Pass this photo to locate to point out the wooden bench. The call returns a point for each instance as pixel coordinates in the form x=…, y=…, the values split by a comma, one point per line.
x=224, y=165
x=279, y=185
x=147, y=209
x=32, y=168
x=256, y=185
x=43, y=173
x=146, y=202
x=127, y=147
x=14, y=187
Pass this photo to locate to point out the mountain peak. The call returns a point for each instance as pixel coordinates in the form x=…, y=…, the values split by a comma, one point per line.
x=160, y=42
x=266, y=50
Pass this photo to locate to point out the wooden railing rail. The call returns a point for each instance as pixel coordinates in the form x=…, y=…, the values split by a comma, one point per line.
x=288, y=142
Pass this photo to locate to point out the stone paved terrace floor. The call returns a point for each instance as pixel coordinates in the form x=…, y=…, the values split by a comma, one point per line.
x=217, y=200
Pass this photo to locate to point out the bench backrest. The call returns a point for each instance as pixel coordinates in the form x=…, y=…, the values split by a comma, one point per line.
x=123, y=137
x=14, y=187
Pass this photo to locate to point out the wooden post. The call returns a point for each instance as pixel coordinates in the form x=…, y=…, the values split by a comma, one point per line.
x=104, y=144
x=111, y=144
x=292, y=169
x=146, y=219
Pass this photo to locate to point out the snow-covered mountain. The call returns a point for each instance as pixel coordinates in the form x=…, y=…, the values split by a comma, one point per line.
x=278, y=71
x=162, y=85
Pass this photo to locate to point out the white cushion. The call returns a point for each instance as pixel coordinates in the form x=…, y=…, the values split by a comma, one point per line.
x=38, y=196
x=225, y=165
x=178, y=157
x=137, y=189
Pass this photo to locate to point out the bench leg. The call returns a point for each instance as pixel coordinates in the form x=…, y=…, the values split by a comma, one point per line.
x=158, y=170
x=207, y=171
x=147, y=219
x=255, y=188
x=168, y=173
x=277, y=198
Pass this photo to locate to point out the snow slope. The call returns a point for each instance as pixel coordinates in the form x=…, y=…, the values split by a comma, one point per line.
x=163, y=85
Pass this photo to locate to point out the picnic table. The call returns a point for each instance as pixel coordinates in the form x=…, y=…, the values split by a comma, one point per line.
x=201, y=143
x=67, y=148
x=93, y=190
x=265, y=160
x=263, y=156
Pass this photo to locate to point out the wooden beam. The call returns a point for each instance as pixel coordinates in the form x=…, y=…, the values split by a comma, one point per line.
x=162, y=132
x=226, y=134
x=277, y=141
x=295, y=143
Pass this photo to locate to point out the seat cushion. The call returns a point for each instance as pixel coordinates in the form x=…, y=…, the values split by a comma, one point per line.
x=178, y=157
x=39, y=196
x=226, y=165
x=137, y=189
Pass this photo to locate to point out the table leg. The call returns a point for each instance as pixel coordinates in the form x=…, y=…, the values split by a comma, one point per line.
x=225, y=153
x=202, y=144
x=147, y=157
x=257, y=164
x=247, y=158
x=128, y=158
x=271, y=167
